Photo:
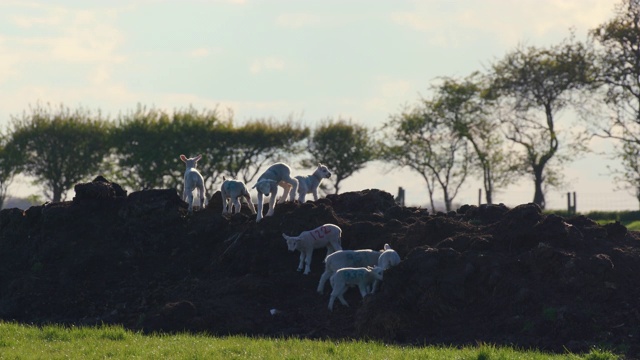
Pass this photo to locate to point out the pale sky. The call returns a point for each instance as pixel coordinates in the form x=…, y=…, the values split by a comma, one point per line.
x=309, y=60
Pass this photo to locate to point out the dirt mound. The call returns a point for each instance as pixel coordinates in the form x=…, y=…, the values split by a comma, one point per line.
x=489, y=273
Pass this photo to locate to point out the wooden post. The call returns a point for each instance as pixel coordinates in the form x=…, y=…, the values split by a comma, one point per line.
x=400, y=198
x=479, y=196
x=571, y=208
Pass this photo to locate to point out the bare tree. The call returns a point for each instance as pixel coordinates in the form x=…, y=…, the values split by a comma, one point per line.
x=422, y=140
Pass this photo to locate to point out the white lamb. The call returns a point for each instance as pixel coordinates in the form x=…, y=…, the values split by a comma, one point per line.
x=233, y=190
x=327, y=235
x=347, y=258
x=387, y=259
x=310, y=183
x=363, y=277
x=192, y=180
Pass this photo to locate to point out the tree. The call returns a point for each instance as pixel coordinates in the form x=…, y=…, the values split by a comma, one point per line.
x=260, y=143
x=464, y=105
x=422, y=140
x=534, y=85
x=58, y=146
x=628, y=178
x=618, y=61
x=8, y=167
x=342, y=146
x=149, y=142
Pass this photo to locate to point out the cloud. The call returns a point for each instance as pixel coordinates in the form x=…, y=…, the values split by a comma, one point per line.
x=298, y=20
x=266, y=64
x=199, y=53
x=447, y=23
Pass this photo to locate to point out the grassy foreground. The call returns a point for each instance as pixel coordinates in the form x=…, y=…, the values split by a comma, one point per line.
x=113, y=342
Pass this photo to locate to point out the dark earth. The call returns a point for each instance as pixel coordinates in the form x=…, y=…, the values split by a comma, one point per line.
x=488, y=274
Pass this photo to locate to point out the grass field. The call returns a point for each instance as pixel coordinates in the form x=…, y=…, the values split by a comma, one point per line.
x=113, y=342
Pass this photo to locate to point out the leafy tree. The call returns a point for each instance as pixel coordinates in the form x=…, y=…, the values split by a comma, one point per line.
x=8, y=168
x=534, y=85
x=149, y=142
x=260, y=143
x=463, y=104
x=618, y=61
x=343, y=147
x=628, y=178
x=422, y=140
x=58, y=146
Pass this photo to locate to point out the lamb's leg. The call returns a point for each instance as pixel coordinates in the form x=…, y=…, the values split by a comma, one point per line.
x=323, y=279
x=224, y=202
x=375, y=286
x=363, y=290
x=272, y=203
x=307, y=266
x=338, y=292
x=202, y=196
x=259, y=210
x=250, y=203
x=287, y=189
x=302, y=198
x=331, y=300
x=341, y=297
x=315, y=194
x=190, y=201
x=236, y=203
x=294, y=188
x=301, y=263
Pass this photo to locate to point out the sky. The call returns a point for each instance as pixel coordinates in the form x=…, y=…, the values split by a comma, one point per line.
x=310, y=60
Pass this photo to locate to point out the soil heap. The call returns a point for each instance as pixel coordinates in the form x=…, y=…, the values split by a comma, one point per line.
x=480, y=274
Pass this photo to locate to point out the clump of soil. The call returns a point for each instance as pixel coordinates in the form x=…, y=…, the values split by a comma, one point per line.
x=480, y=274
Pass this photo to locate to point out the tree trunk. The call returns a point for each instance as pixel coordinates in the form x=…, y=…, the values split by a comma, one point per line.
x=538, y=197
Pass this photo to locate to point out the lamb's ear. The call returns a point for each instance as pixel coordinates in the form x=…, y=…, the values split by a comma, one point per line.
x=198, y=157
x=183, y=158
x=387, y=246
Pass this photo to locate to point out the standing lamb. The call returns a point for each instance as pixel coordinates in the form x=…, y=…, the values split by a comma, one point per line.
x=310, y=183
x=327, y=235
x=233, y=190
x=192, y=180
x=363, y=277
x=276, y=174
x=347, y=258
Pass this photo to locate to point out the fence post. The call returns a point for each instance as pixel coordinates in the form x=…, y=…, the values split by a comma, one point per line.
x=400, y=198
x=571, y=208
x=479, y=196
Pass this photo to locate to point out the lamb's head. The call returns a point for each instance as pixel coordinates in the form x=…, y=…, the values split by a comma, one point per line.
x=292, y=242
x=377, y=272
x=322, y=172
x=191, y=163
x=264, y=186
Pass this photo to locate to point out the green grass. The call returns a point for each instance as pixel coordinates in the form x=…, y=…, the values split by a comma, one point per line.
x=113, y=342
x=633, y=226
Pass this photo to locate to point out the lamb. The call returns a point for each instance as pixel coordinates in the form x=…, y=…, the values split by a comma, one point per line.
x=310, y=183
x=387, y=259
x=276, y=174
x=192, y=180
x=362, y=277
x=347, y=258
x=327, y=235
x=234, y=190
